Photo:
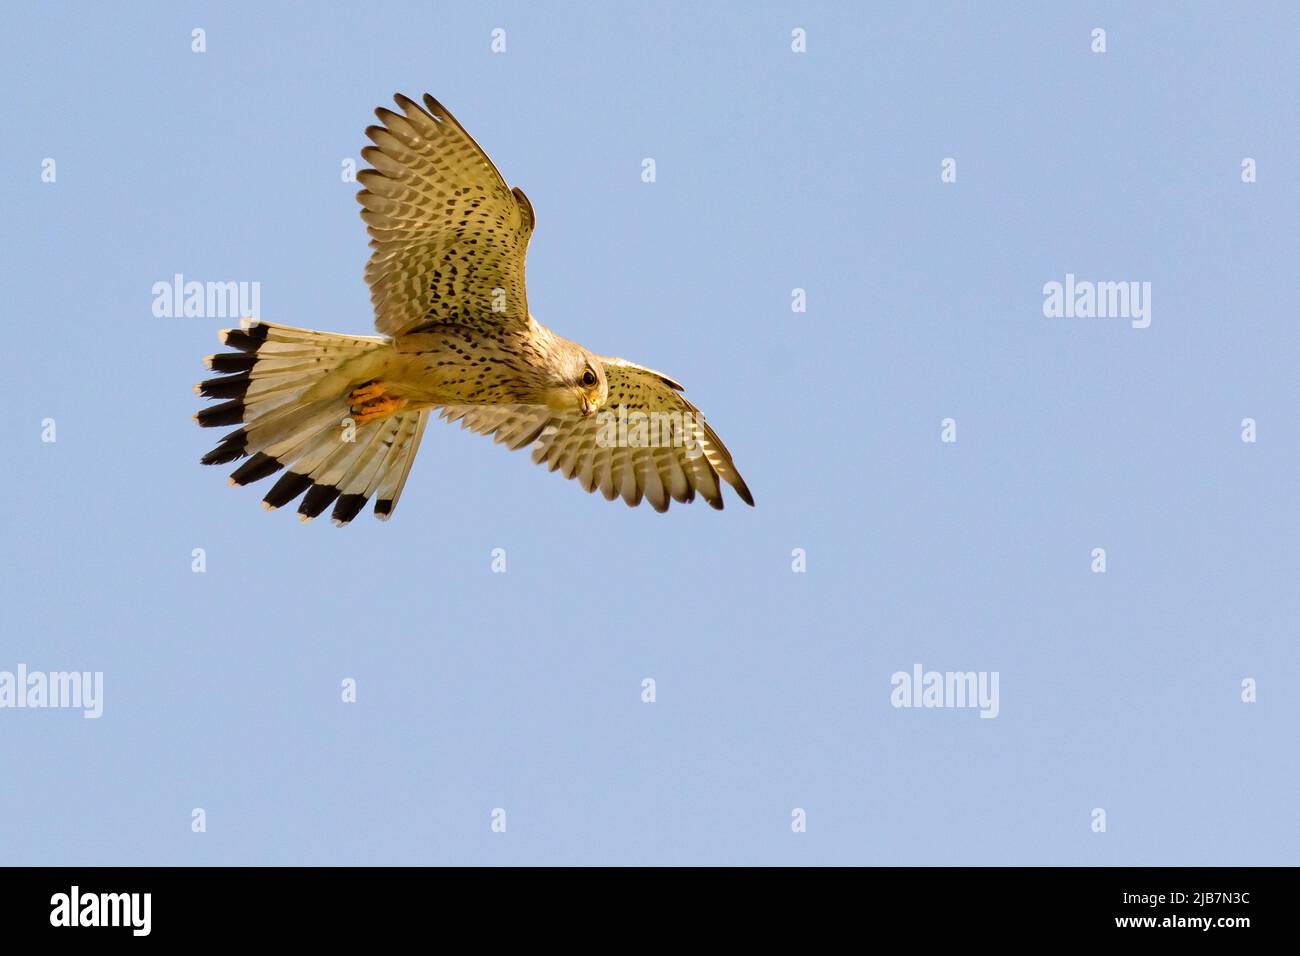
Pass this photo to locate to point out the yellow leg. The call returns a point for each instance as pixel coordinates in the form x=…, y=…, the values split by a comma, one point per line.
x=379, y=408
x=365, y=393
x=372, y=402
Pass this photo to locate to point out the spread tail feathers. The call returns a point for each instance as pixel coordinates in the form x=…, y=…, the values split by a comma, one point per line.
x=275, y=388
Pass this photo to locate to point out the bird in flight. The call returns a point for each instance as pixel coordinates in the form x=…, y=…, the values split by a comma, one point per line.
x=342, y=415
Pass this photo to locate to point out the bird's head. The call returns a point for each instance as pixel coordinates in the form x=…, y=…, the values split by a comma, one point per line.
x=578, y=384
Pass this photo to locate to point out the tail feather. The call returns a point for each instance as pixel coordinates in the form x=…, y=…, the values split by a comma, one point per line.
x=226, y=413
x=289, y=486
x=369, y=459
x=316, y=500
x=397, y=465
x=245, y=339
x=360, y=478
x=230, y=386
x=230, y=362
x=272, y=387
x=277, y=430
x=255, y=469
x=319, y=448
x=344, y=471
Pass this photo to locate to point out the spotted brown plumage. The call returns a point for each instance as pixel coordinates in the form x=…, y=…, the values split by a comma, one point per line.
x=446, y=230
x=339, y=418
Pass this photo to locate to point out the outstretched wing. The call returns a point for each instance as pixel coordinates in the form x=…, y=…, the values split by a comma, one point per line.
x=449, y=236
x=673, y=455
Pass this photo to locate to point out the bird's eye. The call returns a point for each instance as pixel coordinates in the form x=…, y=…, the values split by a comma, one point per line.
x=589, y=378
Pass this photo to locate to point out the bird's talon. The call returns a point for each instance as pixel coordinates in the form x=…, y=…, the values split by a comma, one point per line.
x=375, y=408
x=365, y=394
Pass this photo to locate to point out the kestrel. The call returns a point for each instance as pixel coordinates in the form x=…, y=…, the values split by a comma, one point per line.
x=344, y=414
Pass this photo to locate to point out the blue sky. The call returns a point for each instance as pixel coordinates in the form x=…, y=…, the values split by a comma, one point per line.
x=775, y=171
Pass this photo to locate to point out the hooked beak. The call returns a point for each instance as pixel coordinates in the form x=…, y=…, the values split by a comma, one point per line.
x=587, y=406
